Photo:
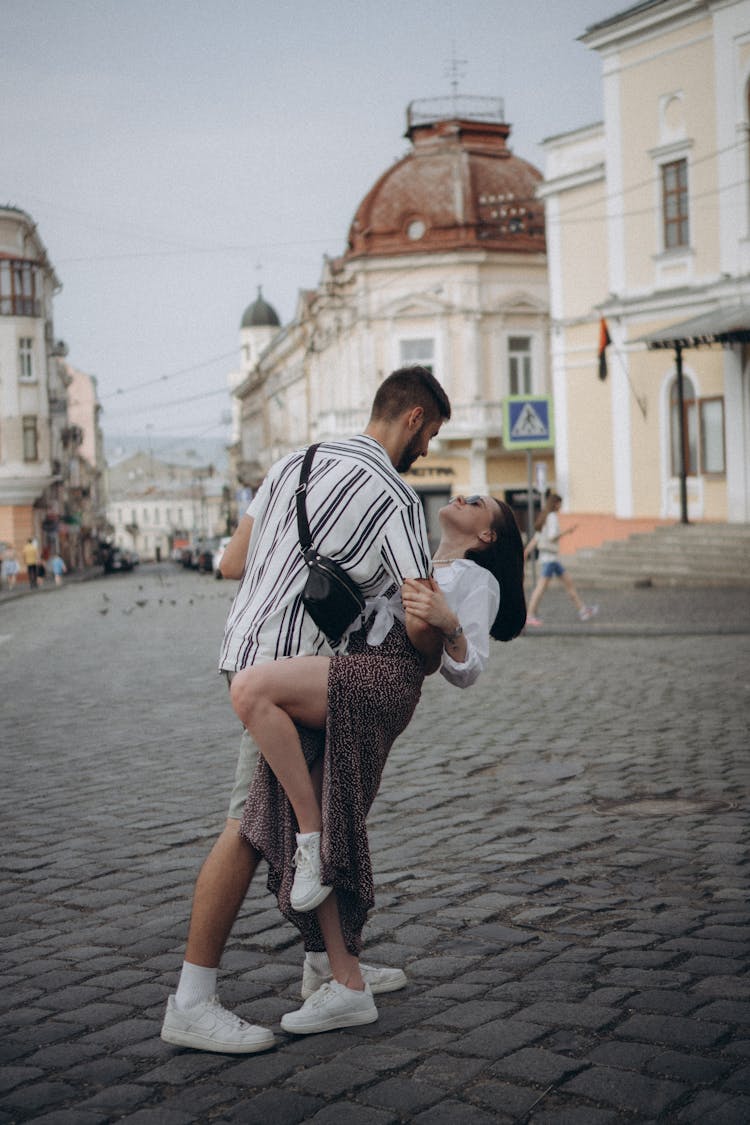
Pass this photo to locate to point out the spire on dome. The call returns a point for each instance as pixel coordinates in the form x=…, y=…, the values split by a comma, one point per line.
x=260, y=314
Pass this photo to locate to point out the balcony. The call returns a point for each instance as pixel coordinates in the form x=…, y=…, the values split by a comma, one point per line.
x=336, y=424
x=468, y=420
x=20, y=306
x=473, y=420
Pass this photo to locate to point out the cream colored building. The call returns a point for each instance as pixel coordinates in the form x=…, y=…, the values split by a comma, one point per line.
x=445, y=266
x=648, y=225
x=32, y=386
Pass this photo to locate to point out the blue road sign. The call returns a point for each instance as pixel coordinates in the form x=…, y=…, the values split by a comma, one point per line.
x=527, y=422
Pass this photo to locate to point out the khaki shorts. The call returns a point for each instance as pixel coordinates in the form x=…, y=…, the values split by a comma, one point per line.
x=246, y=763
x=243, y=775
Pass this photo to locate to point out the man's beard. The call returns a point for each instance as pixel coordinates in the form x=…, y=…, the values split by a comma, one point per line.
x=410, y=454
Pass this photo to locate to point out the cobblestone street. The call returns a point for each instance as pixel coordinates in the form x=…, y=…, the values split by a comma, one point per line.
x=561, y=859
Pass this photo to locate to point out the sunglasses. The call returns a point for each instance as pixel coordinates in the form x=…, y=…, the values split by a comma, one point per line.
x=472, y=499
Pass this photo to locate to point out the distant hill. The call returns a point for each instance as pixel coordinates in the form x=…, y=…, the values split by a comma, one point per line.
x=177, y=451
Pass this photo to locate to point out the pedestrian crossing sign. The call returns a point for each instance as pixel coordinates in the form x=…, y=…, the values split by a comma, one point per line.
x=527, y=422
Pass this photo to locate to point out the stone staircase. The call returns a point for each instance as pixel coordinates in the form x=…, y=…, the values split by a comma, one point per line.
x=705, y=554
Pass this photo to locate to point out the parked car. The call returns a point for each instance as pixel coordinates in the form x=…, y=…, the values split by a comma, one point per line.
x=118, y=559
x=219, y=554
x=204, y=559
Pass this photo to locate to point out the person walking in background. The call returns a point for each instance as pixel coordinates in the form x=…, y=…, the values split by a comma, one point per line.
x=31, y=562
x=10, y=568
x=58, y=568
x=547, y=539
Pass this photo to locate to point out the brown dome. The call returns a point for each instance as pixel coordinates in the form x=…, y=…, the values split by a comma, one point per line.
x=461, y=187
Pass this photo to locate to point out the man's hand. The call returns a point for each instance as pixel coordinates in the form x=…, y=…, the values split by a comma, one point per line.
x=426, y=638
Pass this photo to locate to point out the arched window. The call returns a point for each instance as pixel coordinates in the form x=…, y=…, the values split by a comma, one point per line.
x=704, y=432
x=690, y=429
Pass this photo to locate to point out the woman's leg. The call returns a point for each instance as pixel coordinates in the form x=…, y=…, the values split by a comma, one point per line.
x=537, y=596
x=571, y=591
x=269, y=699
x=344, y=965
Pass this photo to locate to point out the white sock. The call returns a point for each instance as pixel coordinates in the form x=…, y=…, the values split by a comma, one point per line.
x=196, y=983
x=319, y=962
x=307, y=837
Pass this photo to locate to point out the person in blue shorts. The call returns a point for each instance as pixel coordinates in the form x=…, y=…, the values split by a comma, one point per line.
x=547, y=538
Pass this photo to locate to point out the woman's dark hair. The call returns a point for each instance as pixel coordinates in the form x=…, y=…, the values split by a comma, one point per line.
x=504, y=558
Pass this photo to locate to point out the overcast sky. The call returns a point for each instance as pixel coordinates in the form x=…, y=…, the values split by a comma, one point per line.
x=177, y=153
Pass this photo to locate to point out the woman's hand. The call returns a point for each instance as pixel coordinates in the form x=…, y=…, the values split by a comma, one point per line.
x=426, y=601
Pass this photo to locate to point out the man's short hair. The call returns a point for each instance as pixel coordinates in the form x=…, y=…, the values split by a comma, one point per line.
x=406, y=388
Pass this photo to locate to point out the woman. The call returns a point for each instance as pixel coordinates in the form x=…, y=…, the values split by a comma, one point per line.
x=547, y=538
x=354, y=706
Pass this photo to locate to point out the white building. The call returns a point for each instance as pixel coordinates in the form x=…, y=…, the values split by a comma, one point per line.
x=154, y=505
x=445, y=266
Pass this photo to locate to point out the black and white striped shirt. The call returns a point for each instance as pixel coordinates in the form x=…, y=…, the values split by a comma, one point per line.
x=361, y=513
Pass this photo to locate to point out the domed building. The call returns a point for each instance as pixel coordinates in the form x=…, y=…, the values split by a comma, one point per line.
x=460, y=188
x=445, y=265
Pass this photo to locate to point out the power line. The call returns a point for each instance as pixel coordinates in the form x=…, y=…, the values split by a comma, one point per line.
x=239, y=248
x=153, y=406
x=172, y=375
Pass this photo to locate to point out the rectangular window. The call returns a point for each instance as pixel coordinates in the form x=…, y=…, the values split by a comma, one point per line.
x=133, y=518
x=119, y=515
x=168, y=516
x=712, y=435
x=156, y=516
x=420, y=352
x=180, y=523
x=519, y=365
x=30, y=438
x=145, y=515
x=674, y=192
x=18, y=287
x=25, y=357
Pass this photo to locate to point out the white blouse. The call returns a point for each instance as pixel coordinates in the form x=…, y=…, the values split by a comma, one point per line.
x=474, y=596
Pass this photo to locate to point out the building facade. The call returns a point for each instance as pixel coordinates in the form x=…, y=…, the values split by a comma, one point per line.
x=51, y=448
x=648, y=226
x=83, y=522
x=33, y=402
x=154, y=505
x=445, y=266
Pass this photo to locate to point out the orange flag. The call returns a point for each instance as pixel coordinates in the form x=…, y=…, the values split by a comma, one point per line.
x=604, y=340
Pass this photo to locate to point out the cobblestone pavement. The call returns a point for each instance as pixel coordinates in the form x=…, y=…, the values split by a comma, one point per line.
x=561, y=858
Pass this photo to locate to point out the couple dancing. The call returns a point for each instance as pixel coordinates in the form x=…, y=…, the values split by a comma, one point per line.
x=324, y=721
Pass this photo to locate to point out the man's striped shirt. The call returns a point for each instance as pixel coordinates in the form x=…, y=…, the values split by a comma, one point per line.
x=361, y=514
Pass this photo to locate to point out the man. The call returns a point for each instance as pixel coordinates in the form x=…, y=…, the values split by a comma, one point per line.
x=31, y=562
x=375, y=524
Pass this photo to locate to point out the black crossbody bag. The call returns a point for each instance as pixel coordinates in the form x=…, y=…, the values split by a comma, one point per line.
x=330, y=596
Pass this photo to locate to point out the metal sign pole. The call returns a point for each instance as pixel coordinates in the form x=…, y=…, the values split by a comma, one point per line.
x=530, y=509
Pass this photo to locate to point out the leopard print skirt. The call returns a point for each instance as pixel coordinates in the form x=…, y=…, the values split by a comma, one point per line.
x=372, y=694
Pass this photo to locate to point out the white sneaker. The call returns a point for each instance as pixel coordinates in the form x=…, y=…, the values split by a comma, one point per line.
x=379, y=980
x=209, y=1027
x=307, y=890
x=588, y=612
x=333, y=1005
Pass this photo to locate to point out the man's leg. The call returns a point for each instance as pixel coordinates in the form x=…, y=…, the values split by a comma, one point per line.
x=194, y=1017
x=220, y=890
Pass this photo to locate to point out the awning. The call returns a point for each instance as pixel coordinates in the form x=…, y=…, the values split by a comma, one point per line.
x=722, y=326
